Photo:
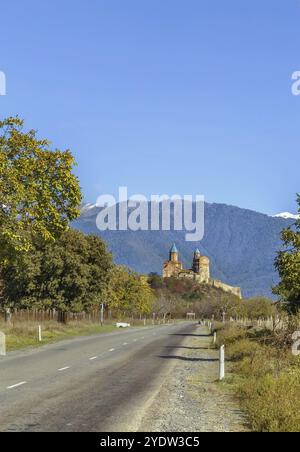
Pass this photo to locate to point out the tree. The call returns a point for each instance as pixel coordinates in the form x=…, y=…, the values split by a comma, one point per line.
x=228, y=305
x=259, y=307
x=169, y=304
x=39, y=195
x=129, y=292
x=70, y=274
x=288, y=265
x=155, y=280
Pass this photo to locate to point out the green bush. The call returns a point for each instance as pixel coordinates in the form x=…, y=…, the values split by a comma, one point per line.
x=263, y=361
x=273, y=403
x=229, y=334
x=241, y=349
x=266, y=377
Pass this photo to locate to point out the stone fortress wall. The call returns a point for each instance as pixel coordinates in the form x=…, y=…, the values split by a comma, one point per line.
x=227, y=288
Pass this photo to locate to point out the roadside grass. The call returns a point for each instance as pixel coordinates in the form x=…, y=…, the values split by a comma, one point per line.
x=266, y=378
x=22, y=334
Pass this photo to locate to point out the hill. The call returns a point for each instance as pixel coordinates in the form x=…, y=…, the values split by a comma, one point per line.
x=241, y=244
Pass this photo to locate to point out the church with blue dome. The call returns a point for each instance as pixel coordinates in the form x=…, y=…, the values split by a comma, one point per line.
x=199, y=271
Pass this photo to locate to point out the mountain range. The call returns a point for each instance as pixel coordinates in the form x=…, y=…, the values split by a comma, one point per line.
x=241, y=244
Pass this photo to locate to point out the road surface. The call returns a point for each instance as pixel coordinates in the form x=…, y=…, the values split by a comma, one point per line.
x=93, y=384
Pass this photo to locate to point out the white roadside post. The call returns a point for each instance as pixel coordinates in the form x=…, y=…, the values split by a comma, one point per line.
x=102, y=314
x=296, y=344
x=40, y=333
x=2, y=344
x=222, y=363
x=215, y=338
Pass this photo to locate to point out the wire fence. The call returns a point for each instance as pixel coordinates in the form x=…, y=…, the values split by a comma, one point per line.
x=46, y=315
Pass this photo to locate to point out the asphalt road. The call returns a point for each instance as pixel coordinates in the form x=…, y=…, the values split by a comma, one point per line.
x=99, y=383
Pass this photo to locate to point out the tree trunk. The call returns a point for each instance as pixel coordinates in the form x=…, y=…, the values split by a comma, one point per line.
x=62, y=317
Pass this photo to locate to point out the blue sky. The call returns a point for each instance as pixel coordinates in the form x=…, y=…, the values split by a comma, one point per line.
x=172, y=96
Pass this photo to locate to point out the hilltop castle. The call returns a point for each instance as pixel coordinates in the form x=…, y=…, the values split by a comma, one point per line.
x=200, y=271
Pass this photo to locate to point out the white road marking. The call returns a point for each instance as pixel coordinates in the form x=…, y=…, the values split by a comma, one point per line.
x=93, y=358
x=17, y=385
x=134, y=340
x=63, y=368
x=125, y=343
x=112, y=350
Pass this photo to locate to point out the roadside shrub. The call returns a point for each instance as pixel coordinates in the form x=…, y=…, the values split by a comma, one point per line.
x=241, y=349
x=273, y=403
x=230, y=334
x=263, y=361
x=268, y=382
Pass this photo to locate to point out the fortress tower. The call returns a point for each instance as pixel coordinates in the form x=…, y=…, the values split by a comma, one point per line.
x=204, y=270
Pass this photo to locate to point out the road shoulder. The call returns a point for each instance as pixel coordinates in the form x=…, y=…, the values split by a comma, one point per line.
x=191, y=400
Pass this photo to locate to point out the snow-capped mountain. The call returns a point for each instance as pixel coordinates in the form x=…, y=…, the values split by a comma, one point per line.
x=287, y=216
x=88, y=210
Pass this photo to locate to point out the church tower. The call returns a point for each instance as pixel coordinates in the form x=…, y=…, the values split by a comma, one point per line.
x=196, y=261
x=173, y=254
x=172, y=267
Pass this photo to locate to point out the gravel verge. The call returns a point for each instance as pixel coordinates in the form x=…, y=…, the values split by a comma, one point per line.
x=192, y=400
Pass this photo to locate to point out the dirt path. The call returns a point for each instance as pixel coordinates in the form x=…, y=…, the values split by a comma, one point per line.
x=191, y=399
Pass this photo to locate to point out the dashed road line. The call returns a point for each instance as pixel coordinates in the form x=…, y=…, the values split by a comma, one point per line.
x=68, y=367
x=17, y=385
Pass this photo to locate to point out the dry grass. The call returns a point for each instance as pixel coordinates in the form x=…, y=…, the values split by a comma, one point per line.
x=21, y=334
x=265, y=377
x=273, y=402
x=24, y=333
x=229, y=334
